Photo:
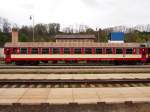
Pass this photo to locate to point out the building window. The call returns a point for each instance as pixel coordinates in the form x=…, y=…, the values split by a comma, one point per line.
x=34, y=51
x=45, y=50
x=66, y=51
x=88, y=50
x=129, y=51
x=77, y=51
x=98, y=51
x=23, y=51
x=119, y=51
x=109, y=51
x=56, y=51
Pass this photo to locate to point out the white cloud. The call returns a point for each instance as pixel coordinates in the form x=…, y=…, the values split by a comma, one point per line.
x=94, y=13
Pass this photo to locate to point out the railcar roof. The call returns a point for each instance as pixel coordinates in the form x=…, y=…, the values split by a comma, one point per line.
x=70, y=44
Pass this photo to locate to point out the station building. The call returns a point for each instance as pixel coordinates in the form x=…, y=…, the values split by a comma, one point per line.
x=75, y=38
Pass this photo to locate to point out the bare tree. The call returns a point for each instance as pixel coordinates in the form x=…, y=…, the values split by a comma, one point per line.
x=6, y=26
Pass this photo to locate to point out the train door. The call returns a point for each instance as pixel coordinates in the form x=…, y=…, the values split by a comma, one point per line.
x=148, y=55
x=7, y=55
x=143, y=53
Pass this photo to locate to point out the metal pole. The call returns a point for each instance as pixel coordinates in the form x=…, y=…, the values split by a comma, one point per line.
x=33, y=28
x=98, y=34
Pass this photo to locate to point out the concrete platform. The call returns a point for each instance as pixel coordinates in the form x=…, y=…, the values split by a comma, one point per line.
x=76, y=76
x=75, y=99
x=10, y=96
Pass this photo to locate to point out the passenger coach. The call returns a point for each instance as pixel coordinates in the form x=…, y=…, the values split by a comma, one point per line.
x=34, y=52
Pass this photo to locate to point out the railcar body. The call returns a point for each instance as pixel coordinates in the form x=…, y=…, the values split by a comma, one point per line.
x=35, y=52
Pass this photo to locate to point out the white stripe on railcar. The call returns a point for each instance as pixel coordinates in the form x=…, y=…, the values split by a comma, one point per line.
x=75, y=56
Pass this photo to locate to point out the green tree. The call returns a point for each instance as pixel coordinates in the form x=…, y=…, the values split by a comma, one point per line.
x=90, y=31
x=6, y=26
x=22, y=37
x=53, y=28
x=4, y=37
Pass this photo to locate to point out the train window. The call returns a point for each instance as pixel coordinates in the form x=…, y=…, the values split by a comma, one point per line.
x=108, y=50
x=142, y=45
x=129, y=51
x=7, y=51
x=23, y=51
x=88, y=51
x=66, y=51
x=119, y=51
x=56, y=51
x=77, y=51
x=45, y=50
x=148, y=50
x=34, y=51
x=98, y=51
x=14, y=51
x=137, y=51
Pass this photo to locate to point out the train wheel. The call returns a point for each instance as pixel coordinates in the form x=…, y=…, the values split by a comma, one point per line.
x=35, y=63
x=46, y=62
x=117, y=63
x=54, y=62
x=67, y=62
x=98, y=62
x=19, y=63
x=131, y=63
x=31, y=63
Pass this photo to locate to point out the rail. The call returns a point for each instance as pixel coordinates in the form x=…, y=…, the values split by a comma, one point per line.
x=88, y=83
x=75, y=80
x=70, y=67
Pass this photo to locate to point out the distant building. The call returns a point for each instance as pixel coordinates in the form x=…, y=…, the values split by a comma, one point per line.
x=116, y=37
x=75, y=38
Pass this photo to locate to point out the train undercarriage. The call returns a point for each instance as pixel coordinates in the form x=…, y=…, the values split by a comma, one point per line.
x=76, y=62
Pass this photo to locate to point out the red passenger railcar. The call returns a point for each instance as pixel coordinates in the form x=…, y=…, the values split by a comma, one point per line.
x=34, y=52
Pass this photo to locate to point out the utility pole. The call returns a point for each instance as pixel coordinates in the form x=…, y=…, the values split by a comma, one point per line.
x=97, y=29
x=32, y=18
x=98, y=36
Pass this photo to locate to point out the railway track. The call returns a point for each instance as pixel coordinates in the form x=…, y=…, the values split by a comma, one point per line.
x=96, y=83
x=73, y=71
x=70, y=67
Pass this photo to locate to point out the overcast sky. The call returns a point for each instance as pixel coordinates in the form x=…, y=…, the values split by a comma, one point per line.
x=94, y=13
